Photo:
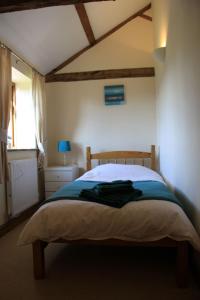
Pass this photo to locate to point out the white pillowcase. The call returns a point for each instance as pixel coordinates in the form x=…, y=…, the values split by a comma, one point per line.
x=111, y=172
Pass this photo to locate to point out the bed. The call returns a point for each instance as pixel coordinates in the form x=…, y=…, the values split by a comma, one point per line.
x=149, y=223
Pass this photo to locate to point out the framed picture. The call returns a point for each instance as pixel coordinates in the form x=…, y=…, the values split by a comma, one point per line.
x=114, y=94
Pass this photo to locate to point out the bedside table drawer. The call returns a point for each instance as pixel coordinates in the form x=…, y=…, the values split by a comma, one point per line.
x=58, y=176
x=54, y=185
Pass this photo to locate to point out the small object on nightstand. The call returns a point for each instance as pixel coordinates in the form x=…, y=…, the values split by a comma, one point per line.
x=64, y=147
x=57, y=176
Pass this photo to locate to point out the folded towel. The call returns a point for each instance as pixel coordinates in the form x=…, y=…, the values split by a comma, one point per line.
x=118, y=186
x=115, y=194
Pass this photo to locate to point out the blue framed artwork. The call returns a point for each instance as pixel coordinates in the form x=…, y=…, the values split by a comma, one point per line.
x=114, y=94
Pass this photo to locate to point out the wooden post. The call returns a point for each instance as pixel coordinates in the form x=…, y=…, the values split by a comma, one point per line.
x=88, y=155
x=153, y=157
x=38, y=259
x=182, y=265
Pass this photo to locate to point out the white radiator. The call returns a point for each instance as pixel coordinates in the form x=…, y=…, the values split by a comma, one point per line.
x=23, y=185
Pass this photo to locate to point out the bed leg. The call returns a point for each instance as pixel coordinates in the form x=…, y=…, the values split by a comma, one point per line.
x=182, y=265
x=38, y=259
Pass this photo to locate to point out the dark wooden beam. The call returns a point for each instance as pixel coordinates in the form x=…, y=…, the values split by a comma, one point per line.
x=101, y=74
x=137, y=14
x=18, y=5
x=80, y=8
x=146, y=17
x=104, y=36
x=69, y=60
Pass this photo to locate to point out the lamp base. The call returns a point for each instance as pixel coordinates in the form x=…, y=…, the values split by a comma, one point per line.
x=65, y=159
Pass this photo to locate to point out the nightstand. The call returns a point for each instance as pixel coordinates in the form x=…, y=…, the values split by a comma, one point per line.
x=57, y=176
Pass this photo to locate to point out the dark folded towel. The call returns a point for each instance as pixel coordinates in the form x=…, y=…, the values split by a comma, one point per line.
x=118, y=186
x=116, y=193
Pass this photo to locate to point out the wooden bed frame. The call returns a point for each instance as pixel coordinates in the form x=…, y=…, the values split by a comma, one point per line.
x=181, y=246
x=122, y=155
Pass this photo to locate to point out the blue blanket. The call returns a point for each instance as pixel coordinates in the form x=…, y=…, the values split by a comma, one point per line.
x=150, y=190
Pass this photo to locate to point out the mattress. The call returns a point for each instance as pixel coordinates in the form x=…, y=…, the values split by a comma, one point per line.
x=139, y=221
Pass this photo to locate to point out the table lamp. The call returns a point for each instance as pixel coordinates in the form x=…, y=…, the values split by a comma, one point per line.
x=64, y=147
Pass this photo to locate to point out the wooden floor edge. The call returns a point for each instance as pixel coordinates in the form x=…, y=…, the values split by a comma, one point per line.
x=15, y=221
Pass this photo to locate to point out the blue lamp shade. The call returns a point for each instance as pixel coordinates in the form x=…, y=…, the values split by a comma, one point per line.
x=64, y=146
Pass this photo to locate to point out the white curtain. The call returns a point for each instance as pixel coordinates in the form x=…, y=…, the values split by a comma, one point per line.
x=5, y=104
x=39, y=98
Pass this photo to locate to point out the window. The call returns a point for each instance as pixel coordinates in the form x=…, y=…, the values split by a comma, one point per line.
x=21, y=131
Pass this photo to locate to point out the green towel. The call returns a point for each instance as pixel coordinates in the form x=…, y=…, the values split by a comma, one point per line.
x=118, y=186
x=116, y=193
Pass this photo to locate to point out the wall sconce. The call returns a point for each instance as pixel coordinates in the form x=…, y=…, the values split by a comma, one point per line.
x=159, y=54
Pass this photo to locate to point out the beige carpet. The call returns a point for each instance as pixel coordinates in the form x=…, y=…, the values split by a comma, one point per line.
x=92, y=273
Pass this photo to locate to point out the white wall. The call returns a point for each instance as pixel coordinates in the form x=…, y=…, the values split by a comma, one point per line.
x=178, y=99
x=76, y=111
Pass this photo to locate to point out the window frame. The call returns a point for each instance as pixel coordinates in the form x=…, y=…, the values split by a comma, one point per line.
x=13, y=113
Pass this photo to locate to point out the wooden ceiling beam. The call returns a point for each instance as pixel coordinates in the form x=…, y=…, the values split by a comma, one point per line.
x=70, y=59
x=80, y=8
x=146, y=17
x=19, y=5
x=137, y=14
x=104, y=36
x=101, y=74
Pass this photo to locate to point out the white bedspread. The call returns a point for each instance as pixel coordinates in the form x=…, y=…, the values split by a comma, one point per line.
x=147, y=220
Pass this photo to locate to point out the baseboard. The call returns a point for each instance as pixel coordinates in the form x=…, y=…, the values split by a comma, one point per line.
x=195, y=258
x=15, y=221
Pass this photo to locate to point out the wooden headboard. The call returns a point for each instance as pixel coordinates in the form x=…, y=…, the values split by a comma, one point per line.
x=114, y=155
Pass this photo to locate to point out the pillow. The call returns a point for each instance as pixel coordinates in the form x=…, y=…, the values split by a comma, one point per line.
x=111, y=172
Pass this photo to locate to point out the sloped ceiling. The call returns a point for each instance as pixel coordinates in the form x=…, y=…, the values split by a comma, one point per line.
x=132, y=50
x=46, y=37
x=107, y=15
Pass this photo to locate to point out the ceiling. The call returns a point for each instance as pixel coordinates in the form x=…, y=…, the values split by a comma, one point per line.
x=46, y=37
